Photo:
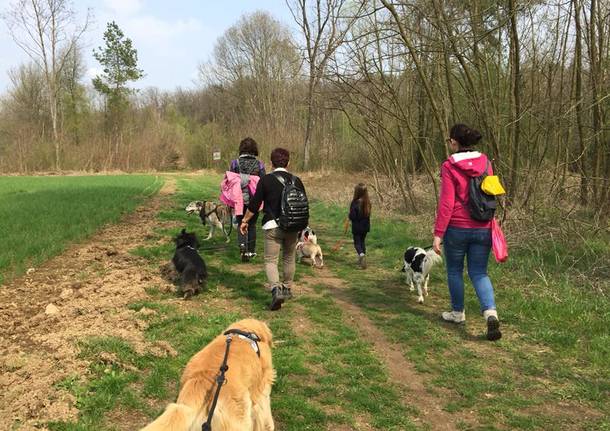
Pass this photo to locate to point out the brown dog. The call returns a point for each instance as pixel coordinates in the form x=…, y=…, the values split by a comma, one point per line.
x=244, y=403
x=217, y=215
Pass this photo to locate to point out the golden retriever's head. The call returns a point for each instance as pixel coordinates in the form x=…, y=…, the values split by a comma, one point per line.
x=258, y=327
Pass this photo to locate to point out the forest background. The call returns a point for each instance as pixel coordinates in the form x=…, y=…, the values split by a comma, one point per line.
x=353, y=86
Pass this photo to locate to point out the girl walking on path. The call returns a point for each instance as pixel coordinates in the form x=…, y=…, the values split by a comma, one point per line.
x=461, y=235
x=360, y=216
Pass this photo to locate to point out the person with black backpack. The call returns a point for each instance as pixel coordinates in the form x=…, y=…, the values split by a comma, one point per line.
x=246, y=165
x=463, y=226
x=285, y=213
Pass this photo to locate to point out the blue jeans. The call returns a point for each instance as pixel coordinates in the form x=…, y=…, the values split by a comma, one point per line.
x=475, y=244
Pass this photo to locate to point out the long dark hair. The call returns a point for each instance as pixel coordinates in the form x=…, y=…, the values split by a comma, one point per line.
x=466, y=136
x=361, y=193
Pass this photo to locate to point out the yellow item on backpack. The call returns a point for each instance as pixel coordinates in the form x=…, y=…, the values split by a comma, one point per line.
x=491, y=185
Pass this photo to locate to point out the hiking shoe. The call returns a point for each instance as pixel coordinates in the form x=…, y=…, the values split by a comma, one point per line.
x=493, y=325
x=286, y=292
x=251, y=254
x=454, y=316
x=277, y=299
x=245, y=258
x=362, y=261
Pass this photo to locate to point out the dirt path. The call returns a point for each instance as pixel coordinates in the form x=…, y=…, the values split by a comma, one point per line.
x=82, y=293
x=401, y=372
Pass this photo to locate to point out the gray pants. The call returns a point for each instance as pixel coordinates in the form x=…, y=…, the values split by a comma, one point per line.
x=274, y=240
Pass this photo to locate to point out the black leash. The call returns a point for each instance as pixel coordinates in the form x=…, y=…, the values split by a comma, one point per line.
x=220, y=379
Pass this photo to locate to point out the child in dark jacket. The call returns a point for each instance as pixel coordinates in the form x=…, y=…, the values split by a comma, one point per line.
x=360, y=216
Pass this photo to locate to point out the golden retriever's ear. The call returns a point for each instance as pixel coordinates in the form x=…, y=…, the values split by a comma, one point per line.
x=267, y=334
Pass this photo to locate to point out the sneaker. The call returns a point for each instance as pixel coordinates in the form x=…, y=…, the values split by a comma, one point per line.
x=251, y=254
x=493, y=325
x=362, y=261
x=454, y=316
x=277, y=298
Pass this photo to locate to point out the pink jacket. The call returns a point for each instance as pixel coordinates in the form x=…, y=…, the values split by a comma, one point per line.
x=455, y=173
x=230, y=191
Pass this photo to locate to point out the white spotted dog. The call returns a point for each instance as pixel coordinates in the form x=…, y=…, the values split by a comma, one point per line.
x=308, y=249
x=216, y=214
x=417, y=266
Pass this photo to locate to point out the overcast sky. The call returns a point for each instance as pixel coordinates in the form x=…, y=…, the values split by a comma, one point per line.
x=172, y=37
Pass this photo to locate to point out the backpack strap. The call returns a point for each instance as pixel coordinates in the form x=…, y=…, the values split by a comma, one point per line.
x=281, y=179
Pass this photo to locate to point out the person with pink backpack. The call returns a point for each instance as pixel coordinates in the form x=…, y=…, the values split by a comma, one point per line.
x=238, y=187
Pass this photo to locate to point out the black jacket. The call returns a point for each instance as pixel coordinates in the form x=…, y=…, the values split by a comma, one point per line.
x=269, y=191
x=360, y=223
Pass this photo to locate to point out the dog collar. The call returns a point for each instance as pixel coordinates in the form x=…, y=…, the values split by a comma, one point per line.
x=191, y=247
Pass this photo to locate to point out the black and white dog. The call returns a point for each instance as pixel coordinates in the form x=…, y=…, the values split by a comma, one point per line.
x=217, y=215
x=189, y=264
x=417, y=266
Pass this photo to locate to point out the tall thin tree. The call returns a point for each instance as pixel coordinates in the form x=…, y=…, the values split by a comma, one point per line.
x=47, y=31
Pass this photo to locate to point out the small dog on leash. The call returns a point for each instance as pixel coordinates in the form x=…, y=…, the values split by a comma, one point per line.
x=217, y=215
x=308, y=249
x=189, y=264
x=417, y=266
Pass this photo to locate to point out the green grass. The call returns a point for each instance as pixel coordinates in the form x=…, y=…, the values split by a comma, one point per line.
x=39, y=216
x=556, y=339
x=552, y=360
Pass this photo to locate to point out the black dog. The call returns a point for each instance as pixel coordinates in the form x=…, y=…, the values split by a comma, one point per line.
x=189, y=264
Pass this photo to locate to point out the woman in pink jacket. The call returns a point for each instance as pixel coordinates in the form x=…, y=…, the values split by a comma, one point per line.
x=460, y=234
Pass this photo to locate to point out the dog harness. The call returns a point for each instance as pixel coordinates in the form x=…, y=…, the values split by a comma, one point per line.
x=205, y=215
x=253, y=339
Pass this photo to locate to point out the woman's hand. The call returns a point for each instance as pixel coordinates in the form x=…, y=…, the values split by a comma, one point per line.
x=243, y=227
x=436, y=245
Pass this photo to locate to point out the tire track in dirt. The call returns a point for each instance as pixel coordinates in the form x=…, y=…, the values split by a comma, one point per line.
x=84, y=292
x=401, y=372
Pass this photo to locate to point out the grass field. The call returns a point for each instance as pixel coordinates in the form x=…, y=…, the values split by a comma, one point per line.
x=550, y=370
x=39, y=216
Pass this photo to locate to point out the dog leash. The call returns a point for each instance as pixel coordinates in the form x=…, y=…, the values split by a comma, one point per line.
x=220, y=379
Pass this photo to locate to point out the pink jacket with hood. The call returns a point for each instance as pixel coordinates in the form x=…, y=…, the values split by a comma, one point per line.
x=231, y=193
x=455, y=174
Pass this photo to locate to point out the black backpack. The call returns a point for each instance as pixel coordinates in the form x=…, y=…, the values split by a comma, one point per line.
x=294, y=212
x=481, y=206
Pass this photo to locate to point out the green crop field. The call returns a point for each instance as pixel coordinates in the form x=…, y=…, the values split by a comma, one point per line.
x=40, y=215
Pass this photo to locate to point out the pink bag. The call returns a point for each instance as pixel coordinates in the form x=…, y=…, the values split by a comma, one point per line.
x=498, y=242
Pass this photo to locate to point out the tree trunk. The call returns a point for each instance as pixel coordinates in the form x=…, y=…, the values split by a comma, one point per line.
x=310, y=122
x=515, y=59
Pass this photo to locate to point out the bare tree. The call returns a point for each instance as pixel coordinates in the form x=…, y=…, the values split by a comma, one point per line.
x=46, y=30
x=323, y=27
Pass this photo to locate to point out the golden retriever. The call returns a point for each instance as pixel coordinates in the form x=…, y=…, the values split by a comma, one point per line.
x=244, y=403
